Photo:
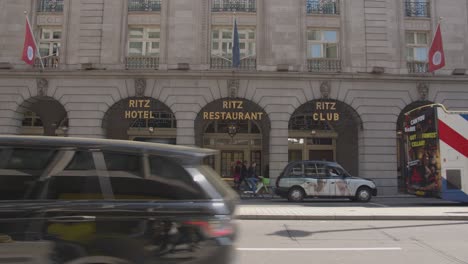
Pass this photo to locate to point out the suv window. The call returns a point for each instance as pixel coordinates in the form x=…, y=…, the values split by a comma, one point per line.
x=171, y=181
x=295, y=171
x=20, y=168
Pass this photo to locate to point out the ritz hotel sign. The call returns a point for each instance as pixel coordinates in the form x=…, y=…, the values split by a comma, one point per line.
x=139, y=104
x=330, y=115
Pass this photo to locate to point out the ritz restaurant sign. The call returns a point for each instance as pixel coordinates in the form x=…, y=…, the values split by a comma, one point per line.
x=232, y=110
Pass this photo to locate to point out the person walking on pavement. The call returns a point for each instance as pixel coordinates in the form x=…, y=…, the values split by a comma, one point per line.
x=244, y=173
x=237, y=174
x=252, y=177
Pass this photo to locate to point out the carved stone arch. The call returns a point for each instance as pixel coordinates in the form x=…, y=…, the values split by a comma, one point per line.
x=206, y=118
x=331, y=117
x=146, y=112
x=43, y=115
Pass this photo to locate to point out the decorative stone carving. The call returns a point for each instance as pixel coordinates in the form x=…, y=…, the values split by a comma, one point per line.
x=325, y=89
x=233, y=87
x=42, y=85
x=140, y=87
x=423, y=90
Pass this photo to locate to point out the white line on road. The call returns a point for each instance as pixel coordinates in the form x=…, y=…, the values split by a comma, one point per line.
x=381, y=205
x=319, y=249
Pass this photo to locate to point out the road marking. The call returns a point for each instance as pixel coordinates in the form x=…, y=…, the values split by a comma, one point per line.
x=319, y=249
x=381, y=205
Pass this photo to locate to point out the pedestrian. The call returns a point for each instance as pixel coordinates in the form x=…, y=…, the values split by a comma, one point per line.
x=252, y=177
x=243, y=173
x=237, y=174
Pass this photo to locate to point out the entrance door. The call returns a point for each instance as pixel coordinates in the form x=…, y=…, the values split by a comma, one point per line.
x=324, y=155
x=228, y=161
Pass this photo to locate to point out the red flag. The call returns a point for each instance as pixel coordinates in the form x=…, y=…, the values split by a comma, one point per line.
x=29, y=49
x=436, y=52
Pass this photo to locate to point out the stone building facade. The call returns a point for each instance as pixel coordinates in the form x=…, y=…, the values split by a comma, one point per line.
x=318, y=79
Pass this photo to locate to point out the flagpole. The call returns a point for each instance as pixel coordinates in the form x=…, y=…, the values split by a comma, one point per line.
x=34, y=39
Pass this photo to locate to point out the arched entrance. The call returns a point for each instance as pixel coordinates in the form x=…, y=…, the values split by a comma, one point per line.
x=401, y=143
x=325, y=129
x=141, y=119
x=239, y=129
x=43, y=115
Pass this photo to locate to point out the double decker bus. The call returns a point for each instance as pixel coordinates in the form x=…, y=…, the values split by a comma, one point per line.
x=436, y=152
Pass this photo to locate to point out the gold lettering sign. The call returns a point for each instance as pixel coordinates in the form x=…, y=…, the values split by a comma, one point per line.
x=140, y=114
x=329, y=115
x=232, y=115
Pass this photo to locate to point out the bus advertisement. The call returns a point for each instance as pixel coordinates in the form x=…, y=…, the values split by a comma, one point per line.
x=436, y=152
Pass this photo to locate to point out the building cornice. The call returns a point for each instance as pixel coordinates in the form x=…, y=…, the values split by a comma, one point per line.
x=215, y=75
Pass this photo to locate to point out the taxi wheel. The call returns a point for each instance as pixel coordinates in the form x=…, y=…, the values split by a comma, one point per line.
x=363, y=195
x=296, y=194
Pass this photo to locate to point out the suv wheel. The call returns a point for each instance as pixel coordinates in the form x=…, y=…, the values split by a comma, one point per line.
x=363, y=194
x=296, y=194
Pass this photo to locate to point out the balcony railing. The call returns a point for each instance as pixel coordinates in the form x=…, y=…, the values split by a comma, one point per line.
x=139, y=62
x=417, y=9
x=234, y=6
x=323, y=7
x=49, y=62
x=144, y=5
x=324, y=65
x=417, y=67
x=249, y=63
x=50, y=6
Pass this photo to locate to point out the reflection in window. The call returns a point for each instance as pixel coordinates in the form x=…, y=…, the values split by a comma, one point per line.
x=322, y=44
x=82, y=160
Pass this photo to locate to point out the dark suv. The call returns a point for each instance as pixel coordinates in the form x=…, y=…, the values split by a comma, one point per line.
x=74, y=200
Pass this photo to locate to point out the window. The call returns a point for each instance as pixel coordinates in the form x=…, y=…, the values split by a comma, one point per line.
x=170, y=181
x=322, y=44
x=144, y=5
x=50, y=6
x=143, y=41
x=295, y=171
x=31, y=119
x=234, y=6
x=417, y=8
x=19, y=170
x=322, y=6
x=49, y=42
x=222, y=38
x=416, y=46
x=310, y=170
x=81, y=161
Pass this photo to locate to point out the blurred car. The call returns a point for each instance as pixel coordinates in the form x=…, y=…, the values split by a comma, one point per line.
x=308, y=178
x=77, y=200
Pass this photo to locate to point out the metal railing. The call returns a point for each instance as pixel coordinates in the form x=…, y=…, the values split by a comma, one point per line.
x=417, y=9
x=324, y=65
x=249, y=63
x=140, y=62
x=331, y=7
x=234, y=6
x=50, y=6
x=144, y=5
x=417, y=67
x=49, y=62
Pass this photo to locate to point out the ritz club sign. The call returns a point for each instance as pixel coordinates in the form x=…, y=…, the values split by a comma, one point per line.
x=325, y=111
x=234, y=110
x=133, y=113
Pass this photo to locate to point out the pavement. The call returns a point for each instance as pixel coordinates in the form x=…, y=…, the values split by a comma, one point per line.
x=400, y=207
